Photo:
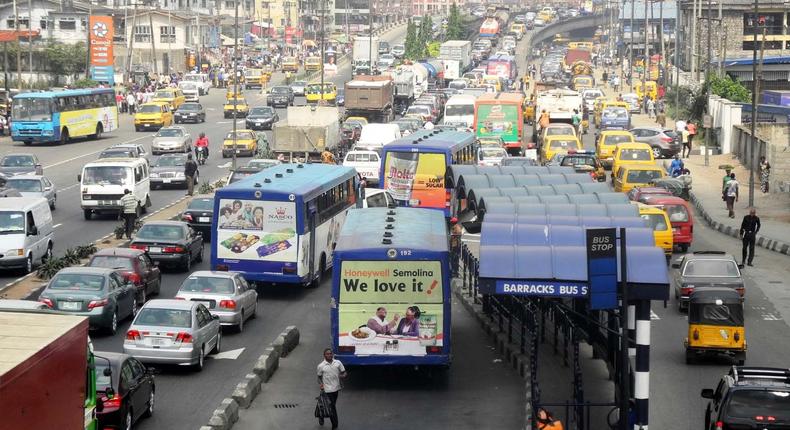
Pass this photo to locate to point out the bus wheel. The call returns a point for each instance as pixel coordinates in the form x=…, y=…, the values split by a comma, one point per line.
x=64, y=136
x=99, y=130
x=321, y=269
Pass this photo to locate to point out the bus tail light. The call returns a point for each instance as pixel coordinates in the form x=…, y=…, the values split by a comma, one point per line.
x=289, y=270
x=346, y=349
x=447, y=197
x=433, y=349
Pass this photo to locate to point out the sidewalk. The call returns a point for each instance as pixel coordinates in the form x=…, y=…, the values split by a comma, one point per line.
x=772, y=208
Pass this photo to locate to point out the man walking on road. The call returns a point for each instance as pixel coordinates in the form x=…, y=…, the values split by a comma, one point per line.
x=749, y=228
x=190, y=168
x=130, y=204
x=731, y=195
x=330, y=371
x=131, y=101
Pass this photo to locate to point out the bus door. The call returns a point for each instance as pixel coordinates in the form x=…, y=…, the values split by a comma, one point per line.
x=312, y=222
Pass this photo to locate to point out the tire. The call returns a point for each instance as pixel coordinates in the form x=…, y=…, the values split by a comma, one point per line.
x=656, y=152
x=149, y=411
x=29, y=264
x=133, y=312
x=99, y=130
x=64, y=136
x=254, y=311
x=87, y=214
x=240, y=325
x=197, y=367
x=48, y=254
x=158, y=285
x=52, y=205
x=187, y=266
x=684, y=247
x=113, y=327
x=218, y=347
x=690, y=357
x=320, y=278
x=127, y=420
x=199, y=258
x=143, y=297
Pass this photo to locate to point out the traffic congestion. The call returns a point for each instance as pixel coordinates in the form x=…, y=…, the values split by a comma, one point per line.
x=159, y=233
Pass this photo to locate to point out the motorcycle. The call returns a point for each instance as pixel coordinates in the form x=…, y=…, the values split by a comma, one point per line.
x=201, y=155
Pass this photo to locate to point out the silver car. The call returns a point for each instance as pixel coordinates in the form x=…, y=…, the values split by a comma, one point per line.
x=225, y=294
x=168, y=331
x=20, y=164
x=34, y=186
x=171, y=139
x=298, y=87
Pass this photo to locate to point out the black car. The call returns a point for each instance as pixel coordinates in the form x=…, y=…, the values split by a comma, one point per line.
x=190, y=112
x=280, y=95
x=199, y=212
x=125, y=389
x=171, y=243
x=261, y=118
x=749, y=398
x=705, y=269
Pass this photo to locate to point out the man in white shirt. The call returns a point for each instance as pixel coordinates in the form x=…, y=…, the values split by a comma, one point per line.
x=680, y=125
x=329, y=373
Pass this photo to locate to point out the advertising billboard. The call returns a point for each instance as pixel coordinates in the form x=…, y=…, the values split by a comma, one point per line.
x=257, y=230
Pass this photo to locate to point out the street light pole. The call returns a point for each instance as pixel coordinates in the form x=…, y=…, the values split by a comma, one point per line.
x=756, y=71
x=235, y=77
x=708, y=130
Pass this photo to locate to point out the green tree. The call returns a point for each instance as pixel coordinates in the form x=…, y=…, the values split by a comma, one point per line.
x=64, y=59
x=730, y=89
x=455, y=30
x=410, y=45
x=424, y=35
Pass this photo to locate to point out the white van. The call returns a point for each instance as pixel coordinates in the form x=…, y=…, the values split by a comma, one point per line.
x=460, y=109
x=367, y=164
x=374, y=136
x=102, y=184
x=27, y=232
x=377, y=198
x=191, y=90
x=202, y=79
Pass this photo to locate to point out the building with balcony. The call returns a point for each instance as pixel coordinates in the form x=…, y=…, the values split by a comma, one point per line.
x=634, y=27
x=434, y=7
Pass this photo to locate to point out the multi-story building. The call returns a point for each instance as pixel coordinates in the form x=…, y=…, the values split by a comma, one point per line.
x=634, y=26
x=434, y=7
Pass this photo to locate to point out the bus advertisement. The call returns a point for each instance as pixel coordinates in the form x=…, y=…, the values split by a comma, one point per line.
x=281, y=225
x=414, y=167
x=501, y=115
x=392, y=295
x=489, y=28
x=503, y=66
x=58, y=116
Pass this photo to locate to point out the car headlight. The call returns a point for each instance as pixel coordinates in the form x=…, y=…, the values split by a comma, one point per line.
x=179, y=174
x=154, y=175
x=15, y=252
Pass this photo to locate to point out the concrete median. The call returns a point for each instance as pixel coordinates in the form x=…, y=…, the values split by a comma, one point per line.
x=267, y=364
x=291, y=339
x=247, y=390
x=225, y=415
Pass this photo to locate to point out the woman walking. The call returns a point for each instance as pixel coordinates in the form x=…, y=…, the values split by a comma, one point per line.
x=765, y=173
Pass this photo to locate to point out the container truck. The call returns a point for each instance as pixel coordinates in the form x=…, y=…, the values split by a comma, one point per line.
x=404, y=81
x=456, y=56
x=420, y=77
x=371, y=97
x=362, y=53
x=47, y=376
x=306, y=132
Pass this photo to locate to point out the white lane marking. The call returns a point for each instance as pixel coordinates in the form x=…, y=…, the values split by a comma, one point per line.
x=69, y=160
x=771, y=317
x=70, y=187
x=233, y=354
x=57, y=225
x=471, y=240
x=223, y=122
x=654, y=316
x=226, y=165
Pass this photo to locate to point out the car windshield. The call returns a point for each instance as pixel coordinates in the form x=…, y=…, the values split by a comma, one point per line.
x=578, y=160
x=116, y=154
x=170, y=132
x=189, y=107
x=643, y=176
x=592, y=95
x=189, y=86
x=459, y=110
x=749, y=404
x=492, y=153
x=12, y=222
x=159, y=317
x=208, y=284
x=711, y=268
x=555, y=131
x=18, y=161
x=237, y=176
x=655, y=221
x=618, y=112
x=562, y=144
x=105, y=175
x=32, y=109
x=261, y=111
x=240, y=135
x=202, y=204
x=170, y=161
x=158, y=231
x=111, y=262
x=24, y=185
x=77, y=281
x=102, y=381
x=280, y=90
x=150, y=109
x=635, y=154
x=677, y=213
x=163, y=95
x=614, y=139
x=299, y=84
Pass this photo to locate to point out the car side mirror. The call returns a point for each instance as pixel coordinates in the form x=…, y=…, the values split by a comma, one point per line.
x=47, y=188
x=32, y=231
x=215, y=317
x=676, y=264
x=79, y=178
x=707, y=393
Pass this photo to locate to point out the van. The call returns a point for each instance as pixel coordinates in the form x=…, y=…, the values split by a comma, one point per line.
x=201, y=80
x=680, y=216
x=636, y=175
x=27, y=237
x=289, y=64
x=631, y=153
x=102, y=184
x=191, y=91
x=556, y=144
x=312, y=64
x=153, y=115
x=375, y=136
x=658, y=220
x=376, y=198
x=173, y=96
x=460, y=109
x=607, y=141
x=366, y=163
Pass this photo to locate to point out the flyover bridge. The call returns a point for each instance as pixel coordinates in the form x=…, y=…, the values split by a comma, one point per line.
x=580, y=26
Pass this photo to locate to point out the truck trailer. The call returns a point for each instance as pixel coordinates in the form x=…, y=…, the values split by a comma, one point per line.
x=371, y=97
x=306, y=133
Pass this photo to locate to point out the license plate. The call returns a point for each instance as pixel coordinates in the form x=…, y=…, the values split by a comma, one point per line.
x=257, y=124
x=146, y=125
x=105, y=203
x=155, y=249
x=204, y=219
x=70, y=306
x=166, y=181
x=158, y=341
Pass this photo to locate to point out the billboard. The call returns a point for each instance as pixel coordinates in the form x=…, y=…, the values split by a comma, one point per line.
x=101, y=35
x=498, y=120
x=257, y=230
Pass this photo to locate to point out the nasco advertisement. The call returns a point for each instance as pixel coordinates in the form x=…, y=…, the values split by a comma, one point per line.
x=391, y=307
x=256, y=230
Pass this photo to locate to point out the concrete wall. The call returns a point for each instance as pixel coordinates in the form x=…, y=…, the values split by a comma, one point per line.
x=773, y=142
x=726, y=115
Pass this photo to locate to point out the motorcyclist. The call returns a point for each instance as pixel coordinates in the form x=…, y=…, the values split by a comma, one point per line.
x=201, y=142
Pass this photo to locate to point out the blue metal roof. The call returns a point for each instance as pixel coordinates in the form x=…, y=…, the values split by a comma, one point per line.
x=455, y=171
x=413, y=228
x=495, y=230
x=557, y=193
x=63, y=93
x=621, y=208
x=299, y=179
x=431, y=141
x=467, y=182
x=748, y=61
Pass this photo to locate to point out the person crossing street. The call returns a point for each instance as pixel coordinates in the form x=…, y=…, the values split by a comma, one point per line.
x=190, y=169
x=130, y=206
x=748, y=233
x=330, y=371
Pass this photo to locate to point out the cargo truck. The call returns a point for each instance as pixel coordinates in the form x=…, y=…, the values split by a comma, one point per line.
x=404, y=81
x=306, y=133
x=371, y=97
x=456, y=56
x=362, y=54
x=47, y=376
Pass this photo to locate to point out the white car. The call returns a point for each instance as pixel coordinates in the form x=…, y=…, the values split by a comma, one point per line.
x=387, y=59
x=366, y=163
x=491, y=156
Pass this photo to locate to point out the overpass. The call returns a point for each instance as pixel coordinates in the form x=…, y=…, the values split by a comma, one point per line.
x=580, y=26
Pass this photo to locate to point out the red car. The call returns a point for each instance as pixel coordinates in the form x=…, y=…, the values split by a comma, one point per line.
x=637, y=193
x=680, y=217
x=135, y=266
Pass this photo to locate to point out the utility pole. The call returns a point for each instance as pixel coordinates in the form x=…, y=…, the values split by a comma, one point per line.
x=646, y=67
x=708, y=75
x=694, y=40
x=756, y=72
x=235, y=77
x=30, y=41
x=18, y=49
x=153, y=42
x=88, y=44
x=370, y=32
x=677, y=61
x=131, y=40
x=631, y=48
x=323, y=18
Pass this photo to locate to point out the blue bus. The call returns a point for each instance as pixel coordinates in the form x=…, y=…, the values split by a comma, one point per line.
x=391, y=301
x=280, y=226
x=58, y=116
x=414, y=168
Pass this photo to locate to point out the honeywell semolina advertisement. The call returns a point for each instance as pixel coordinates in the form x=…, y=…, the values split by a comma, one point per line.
x=257, y=230
x=390, y=307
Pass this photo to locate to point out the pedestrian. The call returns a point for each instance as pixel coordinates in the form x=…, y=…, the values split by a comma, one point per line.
x=455, y=243
x=732, y=195
x=651, y=108
x=546, y=421
x=765, y=173
x=605, y=76
x=680, y=125
x=724, y=181
x=544, y=119
x=684, y=140
x=676, y=168
x=692, y=128
x=576, y=120
x=616, y=83
x=330, y=371
x=748, y=233
x=130, y=206
x=119, y=101
x=661, y=118
x=131, y=100
x=190, y=169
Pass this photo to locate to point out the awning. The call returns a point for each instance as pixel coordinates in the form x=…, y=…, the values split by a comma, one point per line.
x=11, y=35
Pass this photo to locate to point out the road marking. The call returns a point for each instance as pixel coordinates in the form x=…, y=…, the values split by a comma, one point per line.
x=771, y=317
x=471, y=240
x=57, y=225
x=69, y=160
x=223, y=122
x=233, y=354
x=226, y=165
x=70, y=187
x=654, y=316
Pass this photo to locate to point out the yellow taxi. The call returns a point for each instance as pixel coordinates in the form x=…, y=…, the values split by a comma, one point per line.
x=241, y=106
x=230, y=94
x=493, y=81
x=607, y=141
x=658, y=220
x=605, y=104
x=651, y=88
x=519, y=28
x=254, y=78
x=153, y=115
x=631, y=153
x=173, y=96
x=582, y=82
x=312, y=64
x=313, y=93
x=558, y=144
x=246, y=143
x=636, y=175
x=290, y=64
